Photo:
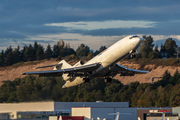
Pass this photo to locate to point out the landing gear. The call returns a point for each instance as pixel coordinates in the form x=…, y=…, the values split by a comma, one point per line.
x=108, y=80
x=132, y=53
x=86, y=80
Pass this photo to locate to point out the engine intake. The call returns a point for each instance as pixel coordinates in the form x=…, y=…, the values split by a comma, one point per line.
x=81, y=62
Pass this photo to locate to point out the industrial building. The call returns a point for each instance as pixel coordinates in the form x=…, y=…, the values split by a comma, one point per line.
x=103, y=113
x=42, y=110
x=156, y=113
x=176, y=110
x=83, y=110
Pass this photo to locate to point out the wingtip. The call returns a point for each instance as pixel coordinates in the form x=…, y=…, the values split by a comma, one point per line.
x=23, y=73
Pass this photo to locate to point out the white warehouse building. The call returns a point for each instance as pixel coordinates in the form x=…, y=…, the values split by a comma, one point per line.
x=90, y=113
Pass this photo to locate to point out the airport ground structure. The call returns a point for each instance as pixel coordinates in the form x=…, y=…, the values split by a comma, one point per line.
x=86, y=110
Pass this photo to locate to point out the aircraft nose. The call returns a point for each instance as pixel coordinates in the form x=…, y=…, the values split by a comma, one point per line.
x=137, y=42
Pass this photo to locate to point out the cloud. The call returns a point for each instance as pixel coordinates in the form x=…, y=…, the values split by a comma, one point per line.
x=92, y=25
x=94, y=42
x=71, y=39
x=23, y=22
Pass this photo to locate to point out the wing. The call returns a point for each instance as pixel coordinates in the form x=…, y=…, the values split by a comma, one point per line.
x=126, y=71
x=74, y=71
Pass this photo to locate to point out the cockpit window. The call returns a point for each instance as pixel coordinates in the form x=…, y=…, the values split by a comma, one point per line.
x=133, y=36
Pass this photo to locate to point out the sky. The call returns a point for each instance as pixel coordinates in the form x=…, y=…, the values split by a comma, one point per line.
x=92, y=22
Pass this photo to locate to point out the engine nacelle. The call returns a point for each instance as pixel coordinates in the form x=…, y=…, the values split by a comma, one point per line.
x=81, y=62
x=127, y=74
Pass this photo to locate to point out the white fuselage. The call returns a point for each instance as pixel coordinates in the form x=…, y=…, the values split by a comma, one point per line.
x=108, y=58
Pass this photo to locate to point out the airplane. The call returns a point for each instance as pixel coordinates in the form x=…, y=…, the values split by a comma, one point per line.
x=103, y=65
x=118, y=113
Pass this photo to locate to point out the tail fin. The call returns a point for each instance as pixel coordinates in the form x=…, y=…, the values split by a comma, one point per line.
x=63, y=65
x=117, y=117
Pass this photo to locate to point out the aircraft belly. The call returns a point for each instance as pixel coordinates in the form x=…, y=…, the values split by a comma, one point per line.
x=100, y=73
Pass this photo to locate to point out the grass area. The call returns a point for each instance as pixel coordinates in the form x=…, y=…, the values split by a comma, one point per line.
x=141, y=61
x=157, y=62
x=27, y=63
x=70, y=58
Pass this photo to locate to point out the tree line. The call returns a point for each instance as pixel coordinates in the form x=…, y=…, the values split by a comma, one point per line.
x=34, y=52
x=162, y=93
x=37, y=52
x=149, y=50
x=61, y=49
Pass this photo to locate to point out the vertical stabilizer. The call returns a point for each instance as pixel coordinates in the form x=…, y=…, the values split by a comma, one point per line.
x=63, y=66
x=117, y=117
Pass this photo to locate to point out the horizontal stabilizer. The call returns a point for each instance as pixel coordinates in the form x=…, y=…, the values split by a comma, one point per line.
x=48, y=66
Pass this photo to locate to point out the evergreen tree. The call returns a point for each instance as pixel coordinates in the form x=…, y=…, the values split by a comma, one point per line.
x=6, y=90
x=60, y=44
x=102, y=48
x=68, y=51
x=82, y=50
x=16, y=55
x=35, y=49
x=48, y=52
x=163, y=49
x=175, y=96
x=28, y=53
x=22, y=53
x=146, y=46
x=165, y=79
x=58, y=49
x=40, y=52
x=2, y=58
x=170, y=46
x=55, y=51
x=175, y=79
x=8, y=56
x=156, y=48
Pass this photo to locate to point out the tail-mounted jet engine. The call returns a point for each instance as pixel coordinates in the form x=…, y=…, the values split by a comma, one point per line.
x=81, y=62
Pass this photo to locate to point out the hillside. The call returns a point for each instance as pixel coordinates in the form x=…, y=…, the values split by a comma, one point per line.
x=12, y=72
